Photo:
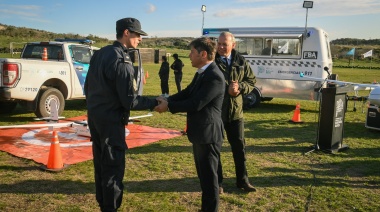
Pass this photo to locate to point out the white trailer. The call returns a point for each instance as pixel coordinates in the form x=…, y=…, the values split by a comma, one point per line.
x=277, y=67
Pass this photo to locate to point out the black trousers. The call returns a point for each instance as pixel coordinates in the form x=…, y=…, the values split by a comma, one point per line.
x=165, y=86
x=108, y=148
x=235, y=136
x=206, y=157
x=178, y=80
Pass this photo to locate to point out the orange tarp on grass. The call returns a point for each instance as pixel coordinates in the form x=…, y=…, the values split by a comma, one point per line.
x=35, y=143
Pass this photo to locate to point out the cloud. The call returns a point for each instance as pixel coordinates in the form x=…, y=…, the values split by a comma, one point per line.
x=322, y=8
x=18, y=13
x=346, y=8
x=25, y=12
x=151, y=8
x=255, y=1
x=25, y=7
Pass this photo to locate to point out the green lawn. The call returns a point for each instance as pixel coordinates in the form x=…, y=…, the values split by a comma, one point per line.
x=162, y=177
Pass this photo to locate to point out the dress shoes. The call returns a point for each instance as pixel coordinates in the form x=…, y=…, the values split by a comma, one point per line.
x=247, y=187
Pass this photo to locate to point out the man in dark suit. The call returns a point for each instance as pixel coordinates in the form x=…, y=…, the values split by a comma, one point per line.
x=202, y=100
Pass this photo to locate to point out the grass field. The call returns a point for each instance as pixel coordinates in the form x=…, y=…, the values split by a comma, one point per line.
x=162, y=177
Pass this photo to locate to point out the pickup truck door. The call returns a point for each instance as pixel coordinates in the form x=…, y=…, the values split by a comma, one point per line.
x=81, y=56
x=139, y=72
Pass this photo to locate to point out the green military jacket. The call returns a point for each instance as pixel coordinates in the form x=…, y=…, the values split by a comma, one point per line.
x=240, y=70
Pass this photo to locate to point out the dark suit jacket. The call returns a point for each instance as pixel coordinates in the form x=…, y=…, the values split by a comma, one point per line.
x=202, y=100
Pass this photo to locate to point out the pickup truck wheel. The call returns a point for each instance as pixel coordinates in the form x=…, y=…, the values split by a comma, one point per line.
x=7, y=107
x=251, y=100
x=43, y=104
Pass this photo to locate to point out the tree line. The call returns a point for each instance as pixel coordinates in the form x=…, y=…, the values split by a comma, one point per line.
x=355, y=41
x=22, y=34
x=36, y=34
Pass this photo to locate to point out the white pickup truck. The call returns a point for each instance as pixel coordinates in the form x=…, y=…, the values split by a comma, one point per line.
x=46, y=70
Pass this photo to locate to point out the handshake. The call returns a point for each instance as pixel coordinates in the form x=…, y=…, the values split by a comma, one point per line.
x=162, y=105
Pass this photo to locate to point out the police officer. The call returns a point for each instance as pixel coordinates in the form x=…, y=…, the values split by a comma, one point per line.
x=177, y=66
x=111, y=90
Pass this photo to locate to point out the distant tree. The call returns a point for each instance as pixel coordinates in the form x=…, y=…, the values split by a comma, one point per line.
x=355, y=41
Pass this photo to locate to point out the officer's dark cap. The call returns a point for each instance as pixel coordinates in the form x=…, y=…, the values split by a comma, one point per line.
x=131, y=24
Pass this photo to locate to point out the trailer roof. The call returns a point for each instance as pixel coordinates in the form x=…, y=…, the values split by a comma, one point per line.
x=259, y=31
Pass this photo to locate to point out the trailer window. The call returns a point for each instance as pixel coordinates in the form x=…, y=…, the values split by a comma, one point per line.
x=249, y=46
x=328, y=47
x=287, y=46
x=274, y=47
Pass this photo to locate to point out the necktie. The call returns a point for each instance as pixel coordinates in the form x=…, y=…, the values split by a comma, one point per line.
x=225, y=61
x=197, y=78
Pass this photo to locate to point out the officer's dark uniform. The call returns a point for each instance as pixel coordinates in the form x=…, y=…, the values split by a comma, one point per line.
x=111, y=92
x=177, y=67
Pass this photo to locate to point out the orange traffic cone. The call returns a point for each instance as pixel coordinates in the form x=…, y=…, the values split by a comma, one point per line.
x=297, y=115
x=147, y=74
x=55, y=157
x=44, y=54
x=184, y=131
x=144, y=80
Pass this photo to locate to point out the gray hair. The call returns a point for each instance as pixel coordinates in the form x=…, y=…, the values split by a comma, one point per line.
x=228, y=34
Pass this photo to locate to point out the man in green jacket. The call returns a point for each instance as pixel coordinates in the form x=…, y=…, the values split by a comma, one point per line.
x=240, y=80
